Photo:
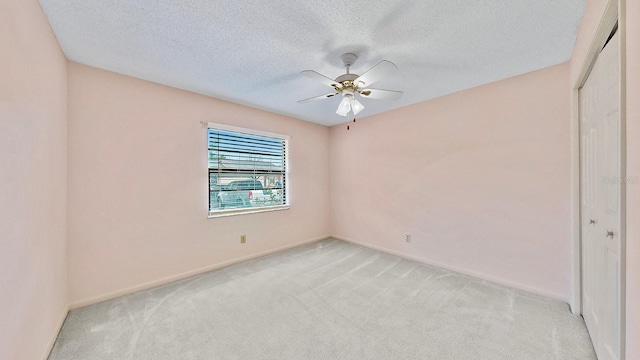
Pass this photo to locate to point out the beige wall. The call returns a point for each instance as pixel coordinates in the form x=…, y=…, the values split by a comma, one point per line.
x=633, y=170
x=33, y=120
x=479, y=178
x=594, y=12
x=138, y=185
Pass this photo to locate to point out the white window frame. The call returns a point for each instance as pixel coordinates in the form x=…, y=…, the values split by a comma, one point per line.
x=241, y=211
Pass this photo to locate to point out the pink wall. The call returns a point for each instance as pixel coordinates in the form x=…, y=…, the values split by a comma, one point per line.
x=593, y=13
x=479, y=178
x=138, y=185
x=33, y=138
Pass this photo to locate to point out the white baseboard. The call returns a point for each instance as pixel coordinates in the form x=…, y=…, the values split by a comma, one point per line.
x=54, y=336
x=478, y=275
x=186, y=274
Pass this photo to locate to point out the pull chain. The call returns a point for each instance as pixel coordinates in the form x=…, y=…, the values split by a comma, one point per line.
x=354, y=119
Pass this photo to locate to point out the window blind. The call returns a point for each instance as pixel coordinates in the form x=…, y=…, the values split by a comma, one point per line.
x=246, y=170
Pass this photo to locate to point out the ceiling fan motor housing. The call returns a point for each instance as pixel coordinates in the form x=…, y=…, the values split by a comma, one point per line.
x=346, y=77
x=348, y=86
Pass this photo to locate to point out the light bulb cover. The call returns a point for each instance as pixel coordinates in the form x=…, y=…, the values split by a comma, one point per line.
x=356, y=106
x=345, y=106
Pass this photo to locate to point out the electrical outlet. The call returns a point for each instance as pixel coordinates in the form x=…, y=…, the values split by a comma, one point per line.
x=407, y=238
x=243, y=239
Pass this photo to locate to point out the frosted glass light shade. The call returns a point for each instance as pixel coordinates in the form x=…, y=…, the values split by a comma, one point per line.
x=345, y=106
x=356, y=106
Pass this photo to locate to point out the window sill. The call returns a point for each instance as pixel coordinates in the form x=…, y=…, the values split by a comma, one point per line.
x=225, y=213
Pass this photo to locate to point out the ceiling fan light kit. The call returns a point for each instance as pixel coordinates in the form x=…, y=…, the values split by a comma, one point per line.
x=348, y=85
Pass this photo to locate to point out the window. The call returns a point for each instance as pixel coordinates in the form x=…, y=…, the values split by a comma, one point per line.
x=247, y=170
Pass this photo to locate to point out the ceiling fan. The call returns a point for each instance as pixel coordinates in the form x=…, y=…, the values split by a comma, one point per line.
x=348, y=85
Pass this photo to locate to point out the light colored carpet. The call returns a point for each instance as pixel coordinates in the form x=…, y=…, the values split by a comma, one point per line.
x=326, y=300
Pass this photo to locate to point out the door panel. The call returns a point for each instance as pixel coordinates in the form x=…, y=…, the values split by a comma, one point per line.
x=600, y=201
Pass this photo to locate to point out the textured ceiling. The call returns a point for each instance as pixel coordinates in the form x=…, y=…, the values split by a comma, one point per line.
x=252, y=52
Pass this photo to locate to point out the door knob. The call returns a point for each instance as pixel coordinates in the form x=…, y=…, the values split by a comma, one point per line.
x=591, y=221
x=610, y=234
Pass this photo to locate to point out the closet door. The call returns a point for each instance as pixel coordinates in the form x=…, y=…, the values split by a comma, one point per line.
x=600, y=201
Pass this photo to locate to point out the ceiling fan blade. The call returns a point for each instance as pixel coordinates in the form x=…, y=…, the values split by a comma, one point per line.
x=317, y=98
x=381, y=94
x=381, y=70
x=321, y=78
